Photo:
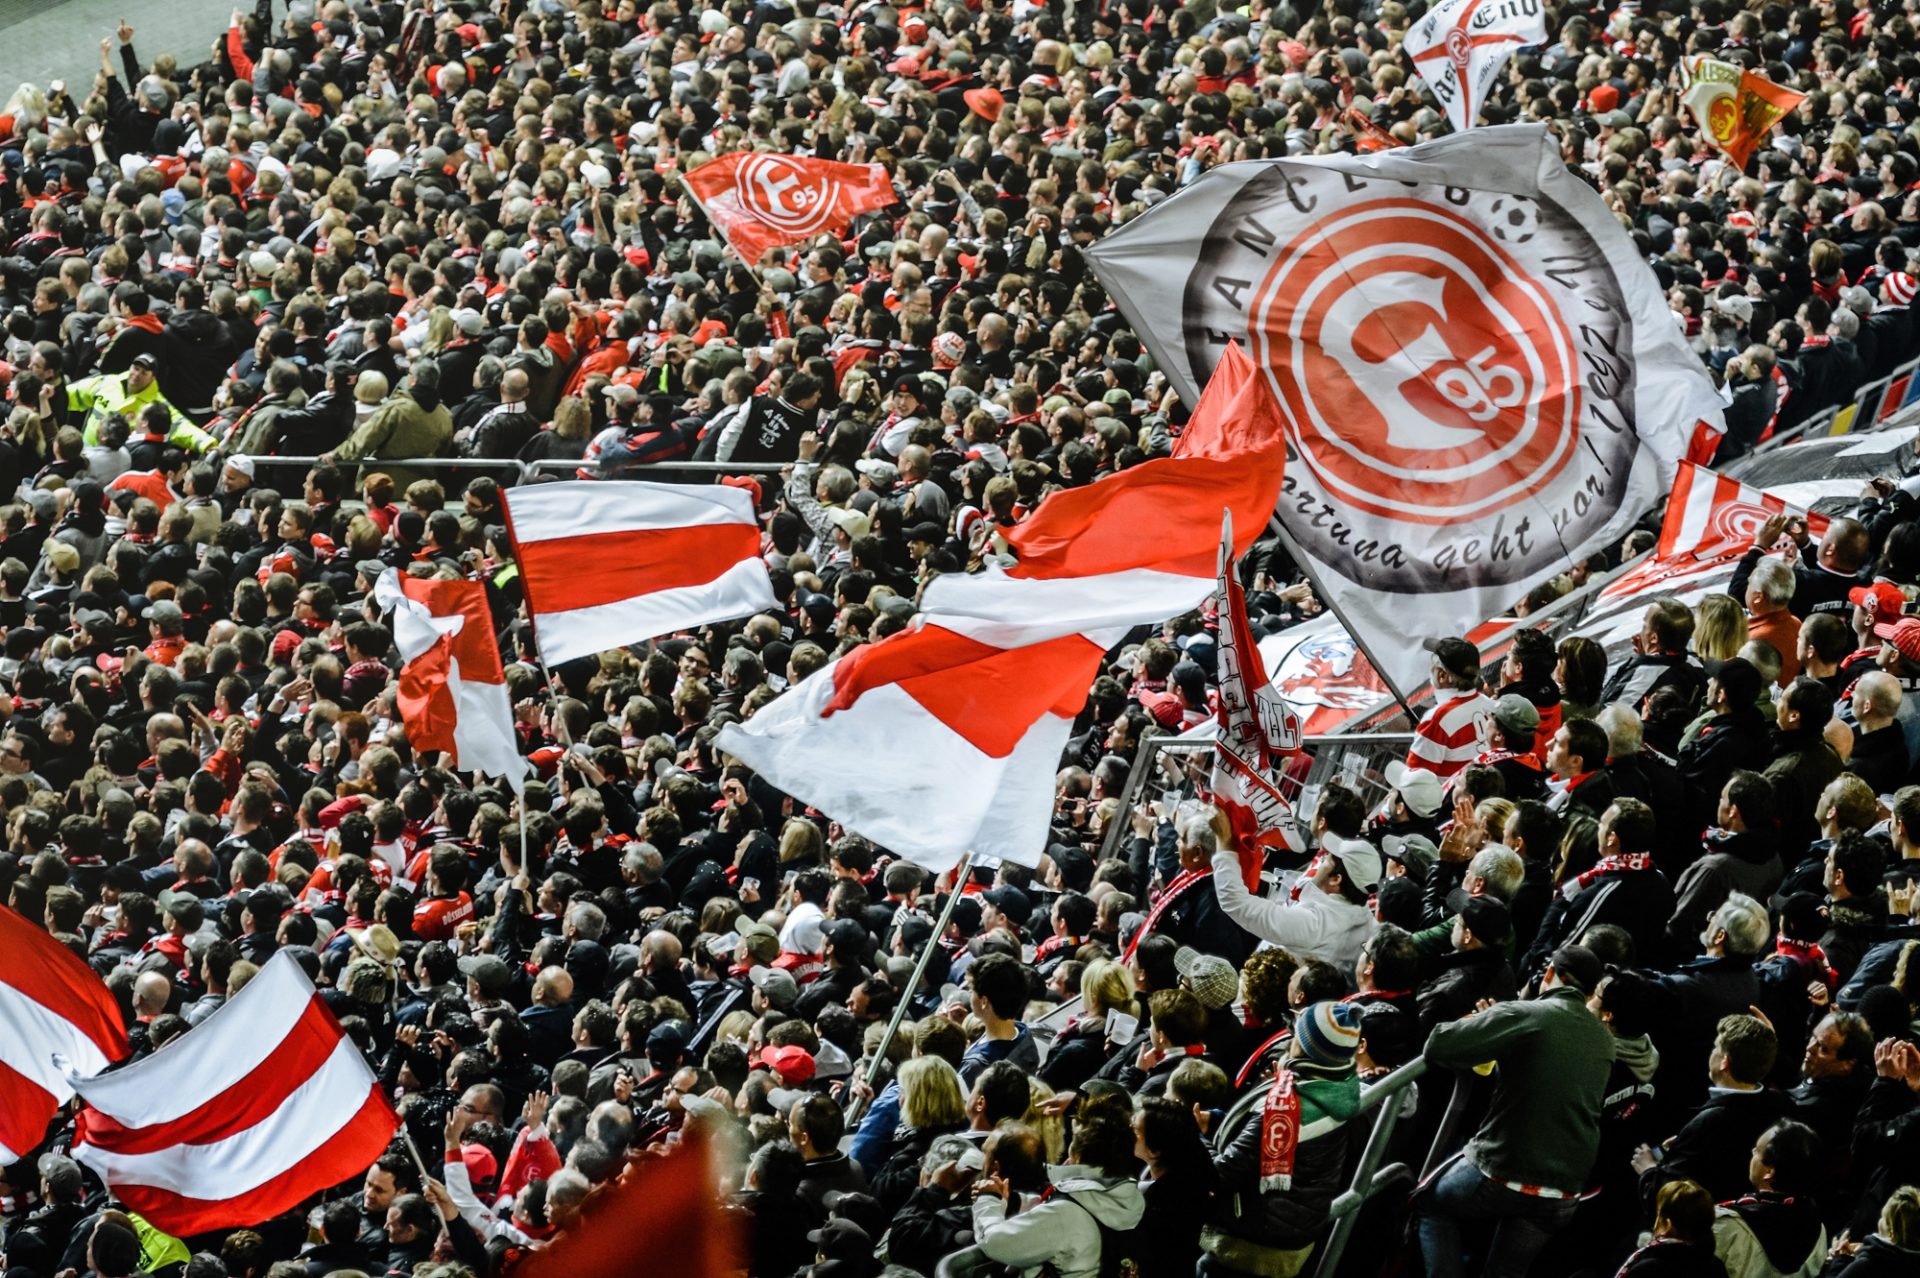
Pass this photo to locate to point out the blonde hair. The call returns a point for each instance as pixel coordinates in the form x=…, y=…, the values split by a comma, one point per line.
x=1051, y=1129
x=1900, y=1218
x=1106, y=986
x=800, y=840
x=931, y=1094
x=1719, y=628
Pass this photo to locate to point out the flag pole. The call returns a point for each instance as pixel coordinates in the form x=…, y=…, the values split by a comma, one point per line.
x=1331, y=600
x=919, y=970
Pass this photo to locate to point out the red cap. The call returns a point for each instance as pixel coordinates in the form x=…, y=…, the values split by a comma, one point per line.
x=1901, y=287
x=285, y=644
x=749, y=483
x=1882, y=598
x=1602, y=98
x=482, y=1167
x=546, y=760
x=794, y=1065
x=1165, y=707
x=1904, y=635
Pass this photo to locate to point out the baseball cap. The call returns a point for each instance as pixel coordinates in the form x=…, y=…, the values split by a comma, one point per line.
x=1456, y=656
x=881, y=472
x=1420, y=788
x=762, y=942
x=165, y=612
x=1211, y=978
x=1359, y=860
x=146, y=359
x=469, y=321
x=1516, y=713
x=848, y=939
x=666, y=1043
x=1010, y=901
x=1414, y=851
x=490, y=973
x=242, y=464
x=1578, y=966
x=927, y=531
x=1883, y=599
x=840, y=1239
x=792, y=1065
x=1735, y=307
x=777, y=984
x=187, y=909
x=620, y=393
x=93, y=619
x=1904, y=635
x=1487, y=918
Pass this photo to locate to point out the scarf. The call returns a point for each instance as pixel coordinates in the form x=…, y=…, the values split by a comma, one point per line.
x=1054, y=944
x=1279, y=1131
x=1626, y=861
x=1810, y=953
x=1181, y=882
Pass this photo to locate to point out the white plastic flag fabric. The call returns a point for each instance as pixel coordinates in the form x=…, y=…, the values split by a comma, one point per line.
x=1481, y=381
x=1460, y=46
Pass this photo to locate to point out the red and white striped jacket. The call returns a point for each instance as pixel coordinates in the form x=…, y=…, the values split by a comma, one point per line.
x=1449, y=736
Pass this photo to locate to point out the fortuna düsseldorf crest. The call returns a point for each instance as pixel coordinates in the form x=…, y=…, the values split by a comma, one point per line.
x=1479, y=379
x=1447, y=358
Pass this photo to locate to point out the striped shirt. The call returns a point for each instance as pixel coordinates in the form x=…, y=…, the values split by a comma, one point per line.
x=1449, y=736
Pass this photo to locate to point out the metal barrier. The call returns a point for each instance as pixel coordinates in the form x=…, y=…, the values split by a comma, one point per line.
x=1869, y=408
x=1372, y=1174
x=525, y=471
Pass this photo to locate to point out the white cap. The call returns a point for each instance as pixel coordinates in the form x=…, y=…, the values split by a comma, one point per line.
x=242, y=464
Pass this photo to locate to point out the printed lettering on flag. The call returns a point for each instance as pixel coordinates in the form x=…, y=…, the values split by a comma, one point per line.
x=1460, y=46
x=1479, y=378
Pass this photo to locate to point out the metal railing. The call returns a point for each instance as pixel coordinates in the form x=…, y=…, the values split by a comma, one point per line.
x=1372, y=1174
x=1870, y=408
x=523, y=471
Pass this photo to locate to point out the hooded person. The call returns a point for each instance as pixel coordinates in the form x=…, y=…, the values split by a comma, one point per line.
x=1092, y=1201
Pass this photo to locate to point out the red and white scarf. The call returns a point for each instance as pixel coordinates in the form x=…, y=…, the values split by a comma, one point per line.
x=1181, y=881
x=1279, y=1131
x=1626, y=861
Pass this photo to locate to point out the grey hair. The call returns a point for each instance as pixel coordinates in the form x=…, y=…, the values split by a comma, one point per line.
x=645, y=860
x=567, y=1187
x=1765, y=658
x=1744, y=920
x=1773, y=578
x=944, y=1150
x=588, y=919
x=488, y=372
x=1500, y=869
x=1622, y=726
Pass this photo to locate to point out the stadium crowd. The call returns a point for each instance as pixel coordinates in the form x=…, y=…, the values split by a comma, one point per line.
x=1669, y=900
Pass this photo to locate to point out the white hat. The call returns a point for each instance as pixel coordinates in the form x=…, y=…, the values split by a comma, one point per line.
x=596, y=175
x=468, y=321
x=383, y=164
x=1359, y=860
x=242, y=464
x=1419, y=788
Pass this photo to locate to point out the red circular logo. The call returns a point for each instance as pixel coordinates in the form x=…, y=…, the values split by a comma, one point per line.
x=1427, y=376
x=780, y=194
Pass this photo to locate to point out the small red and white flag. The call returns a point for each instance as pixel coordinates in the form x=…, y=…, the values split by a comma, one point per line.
x=762, y=201
x=944, y=739
x=1257, y=730
x=263, y=1104
x=453, y=689
x=609, y=563
x=1459, y=47
x=55, y=1015
x=1711, y=521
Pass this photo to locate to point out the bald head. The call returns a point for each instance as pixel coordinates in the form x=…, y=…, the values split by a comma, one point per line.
x=151, y=991
x=553, y=987
x=1876, y=699
x=513, y=386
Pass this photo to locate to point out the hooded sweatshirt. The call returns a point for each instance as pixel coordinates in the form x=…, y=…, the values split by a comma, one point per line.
x=1769, y=1236
x=1058, y=1227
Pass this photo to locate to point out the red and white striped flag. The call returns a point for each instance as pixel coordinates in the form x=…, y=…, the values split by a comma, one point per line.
x=944, y=739
x=1257, y=729
x=53, y=1009
x=762, y=201
x=609, y=563
x=453, y=689
x=255, y=1109
x=1711, y=522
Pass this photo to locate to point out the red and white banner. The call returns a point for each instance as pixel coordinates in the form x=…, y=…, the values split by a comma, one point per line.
x=1460, y=46
x=609, y=563
x=945, y=739
x=1320, y=671
x=1709, y=526
x=1480, y=380
x=453, y=689
x=1257, y=729
x=763, y=201
x=1130, y=549
x=55, y=1014
x=260, y=1106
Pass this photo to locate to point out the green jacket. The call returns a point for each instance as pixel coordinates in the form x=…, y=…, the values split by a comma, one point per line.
x=1553, y=1058
x=409, y=424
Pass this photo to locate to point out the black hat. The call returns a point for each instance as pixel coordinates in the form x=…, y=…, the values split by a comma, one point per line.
x=841, y=1239
x=1487, y=918
x=1010, y=901
x=1579, y=967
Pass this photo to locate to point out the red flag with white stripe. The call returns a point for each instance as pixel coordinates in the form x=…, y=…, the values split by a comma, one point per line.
x=1711, y=521
x=1257, y=729
x=453, y=689
x=944, y=739
x=609, y=563
x=263, y=1104
x=53, y=1008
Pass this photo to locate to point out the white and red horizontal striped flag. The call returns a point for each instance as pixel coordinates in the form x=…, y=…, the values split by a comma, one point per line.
x=260, y=1106
x=609, y=563
x=944, y=739
x=52, y=1005
x=1711, y=520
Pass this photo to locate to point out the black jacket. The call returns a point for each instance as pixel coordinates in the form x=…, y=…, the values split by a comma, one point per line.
x=1726, y=744
x=1814, y=588
x=1694, y=997
x=1715, y=1146
x=1638, y=900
